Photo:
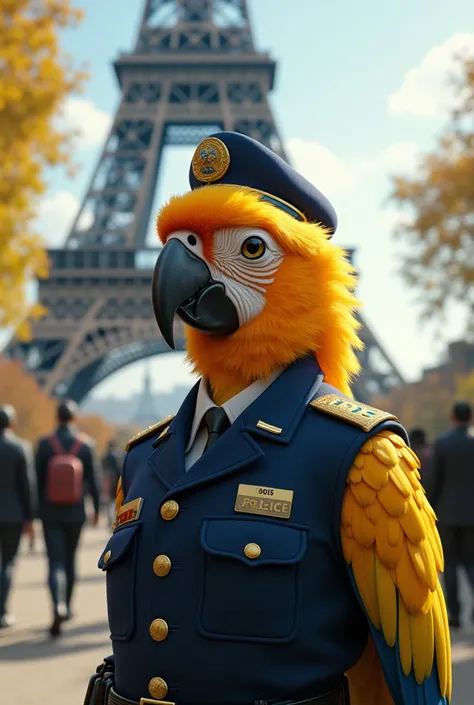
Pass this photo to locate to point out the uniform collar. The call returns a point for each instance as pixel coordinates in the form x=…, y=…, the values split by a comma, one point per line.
x=233, y=407
x=274, y=416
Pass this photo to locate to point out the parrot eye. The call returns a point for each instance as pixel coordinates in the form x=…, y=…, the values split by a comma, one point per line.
x=253, y=248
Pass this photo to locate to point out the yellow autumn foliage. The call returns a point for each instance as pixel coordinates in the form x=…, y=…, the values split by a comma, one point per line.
x=439, y=231
x=35, y=78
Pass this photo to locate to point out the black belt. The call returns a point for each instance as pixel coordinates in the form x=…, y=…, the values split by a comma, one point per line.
x=337, y=694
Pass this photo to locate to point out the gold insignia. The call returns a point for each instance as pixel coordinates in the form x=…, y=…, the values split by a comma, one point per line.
x=129, y=512
x=211, y=160
x=365, y=417
x=268, y=427
x=150, y=431
x=266, y=501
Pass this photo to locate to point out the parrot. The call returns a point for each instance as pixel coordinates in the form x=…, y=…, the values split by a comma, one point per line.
x=257, y=289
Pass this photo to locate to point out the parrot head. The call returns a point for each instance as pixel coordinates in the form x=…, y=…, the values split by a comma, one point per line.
x=256, y=287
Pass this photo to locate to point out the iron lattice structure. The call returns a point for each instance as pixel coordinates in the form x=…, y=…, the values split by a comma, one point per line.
x=194, y=70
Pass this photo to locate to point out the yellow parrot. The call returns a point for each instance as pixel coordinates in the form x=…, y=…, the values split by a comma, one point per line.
x=291, y=293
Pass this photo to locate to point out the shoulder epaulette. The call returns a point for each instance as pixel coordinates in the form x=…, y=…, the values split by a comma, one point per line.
x=361, y=415
x=148, y=432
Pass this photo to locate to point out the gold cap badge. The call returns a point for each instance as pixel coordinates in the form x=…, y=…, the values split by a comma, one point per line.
x=211, y=160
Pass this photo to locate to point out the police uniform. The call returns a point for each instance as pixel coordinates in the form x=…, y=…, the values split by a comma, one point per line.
x=226, y=581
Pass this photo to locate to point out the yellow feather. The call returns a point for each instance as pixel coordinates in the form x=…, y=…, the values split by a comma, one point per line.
x=367, y=447
x=410, y=458
x=412, y=522
x=444, y=614
x=385, y=452
x=404, y=640
x=355, y=475
x=419, y=638
x=388, y=554
x=394, y=532
x=374, y=511
x=409, y=473
x=359, y=462
x=420, y=498
x=348, y=544
x=432, y=537
x=429, y=646
x=441, y=639
x=400, y=481
x=364, y=494
x=363, y=565
x=392, y=500
x=362, y=528
x=396, y=440
x=387, y=597
x=415, y=595
x=374, y=472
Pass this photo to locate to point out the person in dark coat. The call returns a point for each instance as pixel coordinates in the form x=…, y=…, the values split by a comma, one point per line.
x=63, y=523
x=112, y=465
x=17, y=505
x=452, y=499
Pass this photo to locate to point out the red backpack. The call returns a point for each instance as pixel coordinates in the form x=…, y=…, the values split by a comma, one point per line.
x=64, y=483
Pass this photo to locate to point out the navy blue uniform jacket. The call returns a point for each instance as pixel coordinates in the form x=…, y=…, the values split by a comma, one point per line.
x=216, y=625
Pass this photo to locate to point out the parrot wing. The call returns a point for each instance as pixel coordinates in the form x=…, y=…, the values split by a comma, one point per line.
x=393, y=551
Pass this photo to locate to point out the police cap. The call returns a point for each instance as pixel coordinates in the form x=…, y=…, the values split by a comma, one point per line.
x=233, y=158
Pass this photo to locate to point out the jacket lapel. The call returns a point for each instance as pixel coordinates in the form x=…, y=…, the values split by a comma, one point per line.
x=167, y=459
x=274, y=416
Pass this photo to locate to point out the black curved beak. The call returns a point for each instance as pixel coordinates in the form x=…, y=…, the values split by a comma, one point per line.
x=182, y=285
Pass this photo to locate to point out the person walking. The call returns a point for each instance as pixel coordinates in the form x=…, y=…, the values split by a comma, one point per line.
x=424, y=451
x=112, y=464
x=17, y=502
x=66, y=468
x=452, y=495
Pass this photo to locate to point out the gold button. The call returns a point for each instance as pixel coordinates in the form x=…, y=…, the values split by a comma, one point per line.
x=157, y=688
x=107, y=556
x=169, y=510
x=158, y=630
x=252, y=550
x=161, y=566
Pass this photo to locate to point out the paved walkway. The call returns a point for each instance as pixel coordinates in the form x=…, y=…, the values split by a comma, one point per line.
x=37, y=671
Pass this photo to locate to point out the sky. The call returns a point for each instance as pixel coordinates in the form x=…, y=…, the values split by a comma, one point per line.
x=361, y=91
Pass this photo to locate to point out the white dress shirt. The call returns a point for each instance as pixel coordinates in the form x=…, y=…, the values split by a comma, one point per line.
x=233, y=408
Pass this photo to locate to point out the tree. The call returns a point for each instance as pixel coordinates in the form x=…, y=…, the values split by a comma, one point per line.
x=440, y=199
x=35, y=78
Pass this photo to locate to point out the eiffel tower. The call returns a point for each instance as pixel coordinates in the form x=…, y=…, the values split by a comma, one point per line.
x=194, y=70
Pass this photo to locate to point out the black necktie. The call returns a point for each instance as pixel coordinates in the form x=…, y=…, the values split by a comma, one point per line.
x=217, y=422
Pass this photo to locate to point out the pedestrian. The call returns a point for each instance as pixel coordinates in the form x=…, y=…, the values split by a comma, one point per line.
x=66, y=468
x=111, y=465
x=424, y=451
x=17, y=505
x=452, y=500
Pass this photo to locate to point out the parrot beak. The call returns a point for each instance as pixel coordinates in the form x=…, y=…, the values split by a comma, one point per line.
x=182, y=285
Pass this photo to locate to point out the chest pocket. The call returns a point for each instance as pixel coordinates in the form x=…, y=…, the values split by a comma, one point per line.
x=251, y=583
x=118, y=560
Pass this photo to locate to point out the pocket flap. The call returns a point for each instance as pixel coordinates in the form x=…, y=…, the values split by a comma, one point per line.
x=117, y=547
x=277, y=543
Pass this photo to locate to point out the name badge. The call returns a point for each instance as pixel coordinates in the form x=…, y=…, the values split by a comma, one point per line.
x=266, y=501
x=129, y=512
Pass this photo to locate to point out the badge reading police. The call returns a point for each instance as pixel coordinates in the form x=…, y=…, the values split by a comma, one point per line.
x=266, y=501
x=211, y=160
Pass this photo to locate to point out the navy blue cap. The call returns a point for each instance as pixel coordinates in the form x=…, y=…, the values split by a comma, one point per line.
x=233, y=158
